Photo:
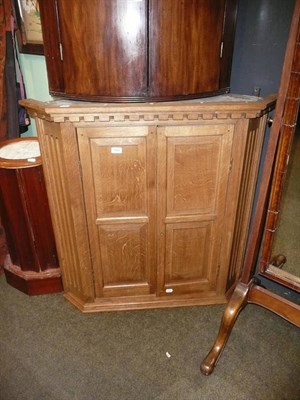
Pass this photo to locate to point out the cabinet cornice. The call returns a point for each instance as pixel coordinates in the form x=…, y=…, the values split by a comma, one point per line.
x=220, y=108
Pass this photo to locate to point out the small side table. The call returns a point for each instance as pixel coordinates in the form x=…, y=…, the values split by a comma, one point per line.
x=31, y=265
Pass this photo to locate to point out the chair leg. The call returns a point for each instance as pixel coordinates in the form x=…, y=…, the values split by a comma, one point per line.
x=237, y=302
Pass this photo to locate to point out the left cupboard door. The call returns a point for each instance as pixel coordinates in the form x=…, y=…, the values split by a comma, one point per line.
x=119, y=183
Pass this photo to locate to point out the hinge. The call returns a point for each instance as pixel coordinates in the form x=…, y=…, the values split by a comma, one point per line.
x=221, y=49
x=61, y=52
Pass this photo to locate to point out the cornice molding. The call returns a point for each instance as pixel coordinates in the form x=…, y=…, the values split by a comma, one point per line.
x=62, y=111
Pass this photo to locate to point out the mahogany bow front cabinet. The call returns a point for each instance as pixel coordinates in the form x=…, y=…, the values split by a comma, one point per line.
x=150, y=202
x=138, y=50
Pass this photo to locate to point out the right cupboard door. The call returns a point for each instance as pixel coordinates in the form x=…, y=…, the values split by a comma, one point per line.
x=185, y=39
x=194, y=165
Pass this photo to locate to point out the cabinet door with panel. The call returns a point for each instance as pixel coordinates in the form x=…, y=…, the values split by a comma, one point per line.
x=126, y=208
x=104, y=47
x=193, y=170
x=194, y=63
x=151, y=203
x=138, y=50
x=118, y=173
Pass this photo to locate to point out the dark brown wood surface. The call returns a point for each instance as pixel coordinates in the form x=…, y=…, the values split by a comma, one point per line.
x=248, y=288
x=242, y=295
x=134, y=51
x=51, y=37
x=32, y=265
x=27, y=219
x=287, y=131
x=281, y=135
x=104, y=47
x=230, y=16
x=184, y=46
x=20, y=243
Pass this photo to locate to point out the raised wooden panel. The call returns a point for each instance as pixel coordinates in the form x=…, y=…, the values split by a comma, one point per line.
x=118, y=170
x=124, y=259
x=194, y=167
x=106, y=53
x=193, y=174
x=193, y=30
x=185, y=267
x=121, y=181
x=150, y=197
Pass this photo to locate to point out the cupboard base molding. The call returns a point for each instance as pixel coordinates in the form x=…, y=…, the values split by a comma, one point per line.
x=151, y=302
x=151, y=203
x=33, y=283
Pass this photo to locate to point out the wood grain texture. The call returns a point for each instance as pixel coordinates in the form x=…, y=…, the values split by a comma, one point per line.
x=26, y=217
x=104, y=47
x=180, y=112
x=119, y=179
x=15, y=220
x=237, y=302
x=277, y=304
x=184, y=46
x=52, y=40
x=32, y=264
x=241, y=296
x=254, y=136
x=145, y=197
x=231, y=9
x=248, y=288
x=285, y=142
x=194, y=166
x=288, y=87
x=122, y=51
x=32, y=283
x=62, y=176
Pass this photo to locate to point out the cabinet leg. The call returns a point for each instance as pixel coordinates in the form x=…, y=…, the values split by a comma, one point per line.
x=236, y=303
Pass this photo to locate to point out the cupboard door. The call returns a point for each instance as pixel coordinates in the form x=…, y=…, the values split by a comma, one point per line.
x=184, y=46
x=106, y=53
x=118, y=172
x=193, y=171
x=138, y=50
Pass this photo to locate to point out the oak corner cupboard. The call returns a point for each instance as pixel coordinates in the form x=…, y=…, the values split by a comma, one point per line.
x=138, y=50
x=150, y=203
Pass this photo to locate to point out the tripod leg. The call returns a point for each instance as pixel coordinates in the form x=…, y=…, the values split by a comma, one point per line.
x=236, y=303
